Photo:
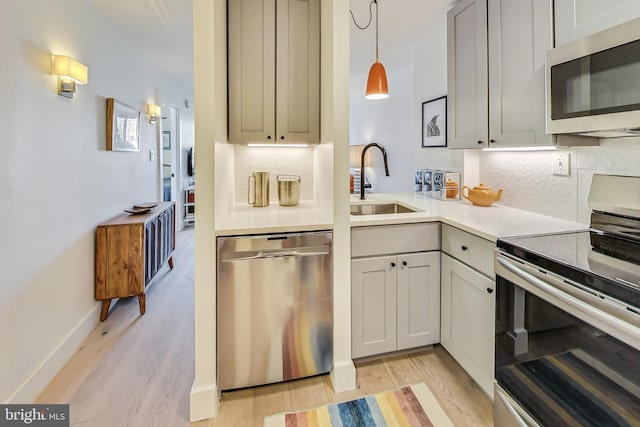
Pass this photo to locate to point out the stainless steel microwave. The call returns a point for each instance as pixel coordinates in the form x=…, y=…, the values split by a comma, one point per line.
x=593, y=84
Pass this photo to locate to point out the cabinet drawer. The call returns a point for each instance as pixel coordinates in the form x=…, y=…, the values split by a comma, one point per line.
x=471, y=250
x=395, y=239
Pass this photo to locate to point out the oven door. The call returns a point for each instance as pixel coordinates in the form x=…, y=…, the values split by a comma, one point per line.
x=564, y=355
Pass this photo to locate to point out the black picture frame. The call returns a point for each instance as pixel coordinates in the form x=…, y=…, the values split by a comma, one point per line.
x=434, y=122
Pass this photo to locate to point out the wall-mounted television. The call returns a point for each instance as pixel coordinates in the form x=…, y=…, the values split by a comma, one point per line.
x=191, y=162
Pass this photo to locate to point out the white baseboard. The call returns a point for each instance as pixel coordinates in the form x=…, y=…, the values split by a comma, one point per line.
x=204, y=402
x=343, y=376
x=36, y=382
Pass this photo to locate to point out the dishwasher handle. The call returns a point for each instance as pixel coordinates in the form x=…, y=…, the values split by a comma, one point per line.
x=277, y=253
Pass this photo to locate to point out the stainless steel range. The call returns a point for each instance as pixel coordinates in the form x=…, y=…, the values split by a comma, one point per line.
x=568, y=319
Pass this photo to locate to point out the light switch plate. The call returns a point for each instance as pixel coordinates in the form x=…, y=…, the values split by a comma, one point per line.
x=561, y=163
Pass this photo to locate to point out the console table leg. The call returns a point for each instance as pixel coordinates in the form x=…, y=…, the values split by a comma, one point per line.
x=105, y=309
x=142, y=303
x=171, y=262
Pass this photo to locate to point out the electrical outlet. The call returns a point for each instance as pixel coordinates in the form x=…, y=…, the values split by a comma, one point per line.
x=455, y=159
x=561, y=163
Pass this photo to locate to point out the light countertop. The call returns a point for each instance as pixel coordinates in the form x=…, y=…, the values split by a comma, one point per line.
x=490, y=223
x=245, y=219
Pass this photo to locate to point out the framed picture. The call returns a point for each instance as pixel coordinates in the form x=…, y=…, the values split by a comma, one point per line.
x=166, y=140
x=123, y=127
x=434, y=122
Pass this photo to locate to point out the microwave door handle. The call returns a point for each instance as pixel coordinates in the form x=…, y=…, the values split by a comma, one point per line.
x=625, y=331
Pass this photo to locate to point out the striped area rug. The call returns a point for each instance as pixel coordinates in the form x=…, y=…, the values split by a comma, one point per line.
x=409, y=406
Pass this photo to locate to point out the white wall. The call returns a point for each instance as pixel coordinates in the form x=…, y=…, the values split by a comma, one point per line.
x=416, y=66
x=57, y=181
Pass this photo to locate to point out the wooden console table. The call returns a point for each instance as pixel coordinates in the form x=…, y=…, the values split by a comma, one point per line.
x=130, y=249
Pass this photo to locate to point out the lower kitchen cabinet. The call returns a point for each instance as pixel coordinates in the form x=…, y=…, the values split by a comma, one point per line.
x=467, y=328
x=395, y=302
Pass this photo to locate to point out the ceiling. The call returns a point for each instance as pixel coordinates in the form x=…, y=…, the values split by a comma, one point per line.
x=164, y=28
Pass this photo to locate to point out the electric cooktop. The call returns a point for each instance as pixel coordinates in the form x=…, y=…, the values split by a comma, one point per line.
x=606, y=258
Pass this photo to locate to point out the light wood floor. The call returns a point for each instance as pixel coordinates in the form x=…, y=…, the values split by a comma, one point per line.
x=138, y=370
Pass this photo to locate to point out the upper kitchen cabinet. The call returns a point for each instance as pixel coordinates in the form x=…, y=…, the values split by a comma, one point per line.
x=467, y=81
x=496, y=52
x=274, y=71
x=575, y=19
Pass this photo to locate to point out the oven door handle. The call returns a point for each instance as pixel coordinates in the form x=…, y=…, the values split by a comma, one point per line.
x=513, y=412
x=608, y=322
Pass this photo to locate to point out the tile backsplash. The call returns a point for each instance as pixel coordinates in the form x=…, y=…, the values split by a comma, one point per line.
x=276, y=161
x=529, y=183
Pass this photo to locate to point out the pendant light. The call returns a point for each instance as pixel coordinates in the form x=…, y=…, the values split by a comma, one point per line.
x=377, y=87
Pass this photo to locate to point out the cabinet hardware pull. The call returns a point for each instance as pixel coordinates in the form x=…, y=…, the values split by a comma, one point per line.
x=282, y=137
x=490, y=290
x=463, y=247
x=268, y=136
x=480, y=142
x=492, y=141
x=404, y=262
x=393, y=264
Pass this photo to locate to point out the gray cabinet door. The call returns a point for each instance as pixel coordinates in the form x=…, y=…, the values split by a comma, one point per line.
x=373, y=305
x=468, y=319
x=252, y=67
x=495, y=60
x=519, y=32
x=467, y=84
x=575, y=19
x=298, y=71
x=418, y=300
x=274, y=71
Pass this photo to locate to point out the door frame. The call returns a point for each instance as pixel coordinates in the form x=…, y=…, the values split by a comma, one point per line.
x=176, y=148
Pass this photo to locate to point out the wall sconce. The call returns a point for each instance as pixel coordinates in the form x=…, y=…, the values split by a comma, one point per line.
x=153, y=113
x=70, y=72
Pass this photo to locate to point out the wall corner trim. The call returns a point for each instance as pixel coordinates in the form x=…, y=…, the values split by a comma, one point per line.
x=343, y=376
x=205, y=401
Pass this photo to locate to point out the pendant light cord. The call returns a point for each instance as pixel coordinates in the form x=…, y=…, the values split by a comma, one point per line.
x=370, y=16
x=376, y=2
x=369, y=23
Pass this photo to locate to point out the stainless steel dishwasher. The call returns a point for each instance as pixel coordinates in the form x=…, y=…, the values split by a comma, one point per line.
x=275, y=310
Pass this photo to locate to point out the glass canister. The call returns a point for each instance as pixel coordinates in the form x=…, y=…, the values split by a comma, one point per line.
x=446, y=185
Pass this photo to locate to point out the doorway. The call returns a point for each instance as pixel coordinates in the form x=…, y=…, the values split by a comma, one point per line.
x=170, y=141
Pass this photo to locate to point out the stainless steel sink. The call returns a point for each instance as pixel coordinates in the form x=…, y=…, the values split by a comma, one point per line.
x=380, y=208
